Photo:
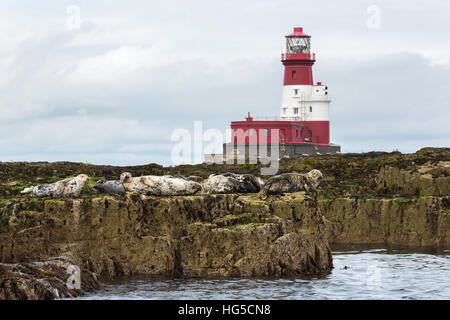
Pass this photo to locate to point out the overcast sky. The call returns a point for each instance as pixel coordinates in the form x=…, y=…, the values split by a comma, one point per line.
x=113, y=88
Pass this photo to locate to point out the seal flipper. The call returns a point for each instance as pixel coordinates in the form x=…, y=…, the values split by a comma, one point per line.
x=27, y=190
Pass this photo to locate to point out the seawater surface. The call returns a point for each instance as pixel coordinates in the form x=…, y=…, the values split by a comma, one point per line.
x=359, y=273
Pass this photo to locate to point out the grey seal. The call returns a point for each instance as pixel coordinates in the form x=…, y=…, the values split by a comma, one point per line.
x=109, y=186
x=291, y=182
x=69, y=188
x=232, y=183
x=159, y=185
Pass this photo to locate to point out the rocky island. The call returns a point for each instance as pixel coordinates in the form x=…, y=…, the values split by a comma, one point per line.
x=376, y=198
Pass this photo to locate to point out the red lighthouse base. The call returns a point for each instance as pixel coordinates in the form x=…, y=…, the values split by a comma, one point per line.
x=295, y=138
x=262, y=132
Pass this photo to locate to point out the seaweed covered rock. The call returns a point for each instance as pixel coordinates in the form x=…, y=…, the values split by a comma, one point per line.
x=45, y=280
x=69, y=188
x=362, y=175
x=431, y=178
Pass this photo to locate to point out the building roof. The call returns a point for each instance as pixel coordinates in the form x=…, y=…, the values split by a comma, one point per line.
x=298, y=32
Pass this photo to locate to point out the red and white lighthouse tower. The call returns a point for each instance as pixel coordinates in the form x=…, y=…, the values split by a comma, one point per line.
x=304, y=122
x=301, y=99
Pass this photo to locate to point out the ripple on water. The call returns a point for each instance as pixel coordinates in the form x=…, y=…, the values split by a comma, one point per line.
x=371, y=273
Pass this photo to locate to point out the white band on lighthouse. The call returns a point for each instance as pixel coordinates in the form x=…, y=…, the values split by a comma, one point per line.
x=305, y=103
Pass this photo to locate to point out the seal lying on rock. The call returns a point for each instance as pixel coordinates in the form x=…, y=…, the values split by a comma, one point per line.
x=291, y=182
x=109, y=187
x=232, y=183
x=159, y=185
x=70, y=188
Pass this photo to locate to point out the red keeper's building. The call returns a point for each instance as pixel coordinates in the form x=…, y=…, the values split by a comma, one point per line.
x=303, y=126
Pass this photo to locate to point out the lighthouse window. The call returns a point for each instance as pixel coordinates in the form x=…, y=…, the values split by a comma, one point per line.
x=295, y=110
x=310, y=109
x=294, y=74
x=298, y=45
x=266, y=132
x=284, y=110
x=296, y=91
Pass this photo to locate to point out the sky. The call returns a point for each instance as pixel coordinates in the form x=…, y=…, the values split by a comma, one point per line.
x=109, y=82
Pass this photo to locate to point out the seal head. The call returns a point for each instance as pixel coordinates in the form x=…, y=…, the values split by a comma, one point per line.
x=125, y=177
x=315, y=177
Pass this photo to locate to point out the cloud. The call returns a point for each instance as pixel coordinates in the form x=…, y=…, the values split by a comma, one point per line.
x=393, y=102
x=114, y=90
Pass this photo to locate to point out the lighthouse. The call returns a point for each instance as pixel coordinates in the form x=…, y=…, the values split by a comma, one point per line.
x=302, y=100
x=303, y=124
